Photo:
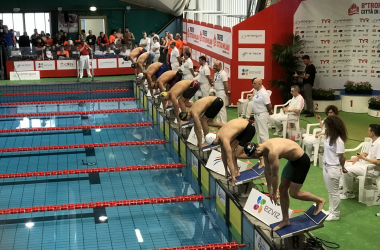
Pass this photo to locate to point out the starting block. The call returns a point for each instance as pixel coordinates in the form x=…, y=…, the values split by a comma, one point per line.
x=215, y=163
x=302, y=223
x=250, y=174
x=192, y=139
x=185, y=128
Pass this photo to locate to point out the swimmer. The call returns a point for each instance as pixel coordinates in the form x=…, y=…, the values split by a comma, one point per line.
x=145, y=60
x=153, y=72
x=133, y=56
x=170, y=78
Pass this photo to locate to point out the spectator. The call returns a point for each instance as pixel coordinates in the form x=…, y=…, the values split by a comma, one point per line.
x=109, y=51
x=124, y=51
x=48, y=53
x=118, y=37
x=294, y=109
x=174, y=57
x=33, y=37
x=151, y=35
x=84, y=51
x=68, y=42
x=83, y=35
x=221, y=88
x=24, y=43
x=135, y=45
x=162, y=58
x=62, y=53
x=179, y=43
x=333, y=162
x=156, y=49
x=188, y=71
x=203, y=76
x=308, y=83
x=145, y=42
x=79, y=40
x=91, y=39
x=43, y=36
x=15, y=41
x=128, y=38
x=357, y=166
x=40, y=47
x=112, y=37
x=64, y=37
x=168, y=47
x=166, y=35
x=8, y=37
x=48, y=40
x=102, y=39
x=57, y=41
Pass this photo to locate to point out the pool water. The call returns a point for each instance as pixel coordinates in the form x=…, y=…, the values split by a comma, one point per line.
x=120, y=227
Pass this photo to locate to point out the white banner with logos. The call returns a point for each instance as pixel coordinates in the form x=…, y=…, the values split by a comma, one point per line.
x=251, y=55
x=194, y=161
x=24, y=75
x=93, y=63
x=66, y=64
x=214, y=40
x=123, y=64
x=249, y=72
x=260, y=206
x=107, y=63
x=343, y=40
x=227, y=68
x=23, y=66
x=45, y=65
x=251, y=36
x=215, y=163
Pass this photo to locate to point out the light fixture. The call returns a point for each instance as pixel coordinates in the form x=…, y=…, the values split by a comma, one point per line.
x=29, y=224
x=93, y=8
x=103, y=218
x=138, y=235
x=59, y=9
x=128, y=8
x=16, y=9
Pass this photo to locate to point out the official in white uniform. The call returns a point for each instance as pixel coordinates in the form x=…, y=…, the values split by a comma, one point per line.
x=174, y=57
x=187, y=66
x=145, y=42
x=203, y=77
x=333, y=162
x=221, y=88
x=357, y=166
x=156, y=49
x=293, y=109
x=262, y=108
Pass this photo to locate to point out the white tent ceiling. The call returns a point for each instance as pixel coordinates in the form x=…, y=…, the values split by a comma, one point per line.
x=174, y=7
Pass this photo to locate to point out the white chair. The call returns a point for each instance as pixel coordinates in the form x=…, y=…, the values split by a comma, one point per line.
x=243, y=101
x=294, y=119
x=368, y=193
x=245, y=105
x=317, y=145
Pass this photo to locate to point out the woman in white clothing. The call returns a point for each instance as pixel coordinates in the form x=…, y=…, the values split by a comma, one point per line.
x=188, y=71
x=310, y=140
x=333, y=162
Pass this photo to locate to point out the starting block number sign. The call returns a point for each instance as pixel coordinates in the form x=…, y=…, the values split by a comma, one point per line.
x=260, y=243
x=215, y=163
x=193, y=137
x=259, y=205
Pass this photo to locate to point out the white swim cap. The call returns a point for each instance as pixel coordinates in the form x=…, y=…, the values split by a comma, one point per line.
x=209, y=138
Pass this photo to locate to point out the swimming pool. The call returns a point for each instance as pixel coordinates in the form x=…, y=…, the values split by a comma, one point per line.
x=118, y=227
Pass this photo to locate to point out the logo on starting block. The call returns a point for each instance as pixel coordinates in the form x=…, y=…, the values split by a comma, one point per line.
x=259, y=205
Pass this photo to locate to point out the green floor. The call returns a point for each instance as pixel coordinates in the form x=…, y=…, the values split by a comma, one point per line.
x=71, y=79
x=358, y=228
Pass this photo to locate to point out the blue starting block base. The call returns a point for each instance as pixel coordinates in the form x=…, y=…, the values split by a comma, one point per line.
x=168, y=108
x=302, y=223
x=250, y=174
x=189, y=124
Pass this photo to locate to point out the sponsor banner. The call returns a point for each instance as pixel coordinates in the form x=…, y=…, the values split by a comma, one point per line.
x=215, y=163
x=194, y=162
x=48, y=108
x=221, y=194
x=184, y=38
x=93, y=63
x=217, y=41
x=66, y=64
x=123, y=64
x=249, y=72
x=24, y=66
x=260, y=206
x=45, y=65
x=343, y=40
x=251, y=55
x=26, y=109
x=227, y=68
x=175, y=142
x=260, y=243
x=25, y=75
x=194, y=54
x=251, y=36
x=107, y=63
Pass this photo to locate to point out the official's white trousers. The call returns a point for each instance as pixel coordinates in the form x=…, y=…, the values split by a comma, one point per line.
x=175, y=66
x=261, y=126
x=222, y=115
x=354, y=170
x=331, y=175
x=84, y=63
x=277, y=120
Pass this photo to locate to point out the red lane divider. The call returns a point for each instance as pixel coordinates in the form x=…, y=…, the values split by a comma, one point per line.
x=120, y=125
x=75, y=113
x=69, y=101
x=217, y=246
x=22, y=210
x=91, y=170
x=68, y=92
x=91, y=145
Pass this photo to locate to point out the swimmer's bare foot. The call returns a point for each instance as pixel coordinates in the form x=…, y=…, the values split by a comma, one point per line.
x=237, y=174
x=319, y=206
x=281, y=225
x=183, y=123
x=261, y=165
x=233, y=181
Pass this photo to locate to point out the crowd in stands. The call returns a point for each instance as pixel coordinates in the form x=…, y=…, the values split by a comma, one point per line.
x=44, y=46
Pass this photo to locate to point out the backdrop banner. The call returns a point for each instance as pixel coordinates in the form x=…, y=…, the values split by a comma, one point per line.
x=343, y=40
x=70, y=26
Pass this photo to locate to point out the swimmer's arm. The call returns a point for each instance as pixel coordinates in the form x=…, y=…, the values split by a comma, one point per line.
x=228, y=150
x=176, y=108
x=274, y=165
x=149, y=79
x=224, y=158
x=267, y=172
x=198, y=130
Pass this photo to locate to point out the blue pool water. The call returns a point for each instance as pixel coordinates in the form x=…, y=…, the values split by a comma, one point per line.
x=160, y=225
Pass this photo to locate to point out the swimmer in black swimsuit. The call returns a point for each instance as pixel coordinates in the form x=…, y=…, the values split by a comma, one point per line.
x=206, y=108
x=292, y=177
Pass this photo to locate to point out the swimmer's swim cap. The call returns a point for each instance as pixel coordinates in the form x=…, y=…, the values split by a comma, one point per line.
x=250, y=148
x=209, y=138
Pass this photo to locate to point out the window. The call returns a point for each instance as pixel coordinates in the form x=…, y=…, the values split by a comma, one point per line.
x=16, y=21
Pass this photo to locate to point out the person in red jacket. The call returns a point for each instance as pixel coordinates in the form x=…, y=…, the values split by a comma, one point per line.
x=102, y=39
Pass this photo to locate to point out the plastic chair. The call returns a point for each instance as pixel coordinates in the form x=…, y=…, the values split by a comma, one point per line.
x=243, y=101
x=290, y=120
x=368, y=193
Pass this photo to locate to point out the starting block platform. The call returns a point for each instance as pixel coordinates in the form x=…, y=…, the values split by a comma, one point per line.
x=302, y=223
x=215, y=163
x=189, y=124
x=210, y=147
x=250, y=174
